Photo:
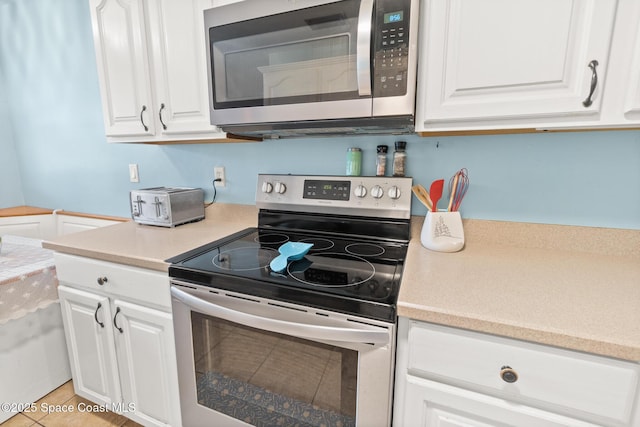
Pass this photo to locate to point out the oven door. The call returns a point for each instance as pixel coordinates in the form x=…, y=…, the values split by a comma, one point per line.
x=308, y=60
x=251, y=361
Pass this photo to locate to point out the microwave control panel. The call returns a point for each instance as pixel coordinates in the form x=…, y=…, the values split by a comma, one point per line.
x=392, y=48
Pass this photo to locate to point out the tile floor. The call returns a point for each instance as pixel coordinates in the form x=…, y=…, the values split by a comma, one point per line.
x=64, y=395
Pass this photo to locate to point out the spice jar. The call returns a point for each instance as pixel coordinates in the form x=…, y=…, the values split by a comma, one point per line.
x=354, y=161
x=399, y=158
x=381, y=160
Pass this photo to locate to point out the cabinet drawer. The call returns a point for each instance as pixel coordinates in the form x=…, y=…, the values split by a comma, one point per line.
x=547, y=377
x=148, y=287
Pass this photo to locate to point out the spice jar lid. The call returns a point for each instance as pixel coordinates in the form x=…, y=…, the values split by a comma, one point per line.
x=382, y=149
x=353, y=149
x=401, y=145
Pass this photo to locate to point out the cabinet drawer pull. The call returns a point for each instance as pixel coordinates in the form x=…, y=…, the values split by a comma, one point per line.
x=594, y=82
x=114, y=320
x=95, y=315
x=160, y=115
x=508, y=374
x=102, y=280
x=144, y=108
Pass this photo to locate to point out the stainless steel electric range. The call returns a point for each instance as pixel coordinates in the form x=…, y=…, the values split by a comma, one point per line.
x=313, y=344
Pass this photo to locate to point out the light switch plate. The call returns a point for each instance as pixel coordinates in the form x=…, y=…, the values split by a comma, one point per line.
x=133, y=173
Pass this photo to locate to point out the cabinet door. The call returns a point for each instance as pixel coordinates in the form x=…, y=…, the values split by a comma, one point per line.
x=511, y=63
x=123, y=72
x=146, y=356
x=176, y=31
x=431, y=404
x=35, y=226
x=89, y=334
x=630, y=50
x=632, y=104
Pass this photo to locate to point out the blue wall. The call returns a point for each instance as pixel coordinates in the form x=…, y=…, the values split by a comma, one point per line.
x=10, y=184
x=48, y=68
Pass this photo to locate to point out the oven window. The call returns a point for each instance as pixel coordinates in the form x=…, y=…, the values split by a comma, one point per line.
x=269, y=379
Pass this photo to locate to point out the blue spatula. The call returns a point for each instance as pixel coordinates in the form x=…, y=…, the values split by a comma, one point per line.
x=290, y=251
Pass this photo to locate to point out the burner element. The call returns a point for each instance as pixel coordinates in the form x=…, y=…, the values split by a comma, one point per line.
x=319, y=243
x=244, y=258
x=364, y=249
x=271, y=238
x=331, y=269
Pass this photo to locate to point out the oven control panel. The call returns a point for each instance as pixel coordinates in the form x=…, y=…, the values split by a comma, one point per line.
x=372, y=196
x=323, y=189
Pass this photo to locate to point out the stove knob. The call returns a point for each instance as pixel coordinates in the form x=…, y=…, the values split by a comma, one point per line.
x=360, y=191
x=267, y=187
x=394, y=193
x=280, y=188
x=377, y=191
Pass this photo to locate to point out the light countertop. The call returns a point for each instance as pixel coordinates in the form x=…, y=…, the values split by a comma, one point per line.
x=572, y=287
x=149, y=246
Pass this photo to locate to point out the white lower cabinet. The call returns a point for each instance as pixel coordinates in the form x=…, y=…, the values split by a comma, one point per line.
x=49, y=226
x=121, y=348
x=429, y=403
x=90, y=341
x=447, y=377
x=34, y=226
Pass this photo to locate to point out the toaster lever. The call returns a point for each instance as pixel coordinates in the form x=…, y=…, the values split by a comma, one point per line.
x=138, y=202
x=157, y=203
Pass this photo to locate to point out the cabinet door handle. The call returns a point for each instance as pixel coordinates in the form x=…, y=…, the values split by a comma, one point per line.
x=114, y=320
x=160, y=115
x=594, y=82
x=95, y=315
x=102, y=280
x=508, y=374
x=144, y=108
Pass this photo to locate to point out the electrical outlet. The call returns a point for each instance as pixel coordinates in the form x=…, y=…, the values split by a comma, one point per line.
x=218, y=173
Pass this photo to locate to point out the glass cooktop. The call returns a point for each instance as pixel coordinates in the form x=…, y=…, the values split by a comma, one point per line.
x=356, y=276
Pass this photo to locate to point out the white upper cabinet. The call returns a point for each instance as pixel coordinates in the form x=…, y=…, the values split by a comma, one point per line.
x=622, y=91
x=495, y=64
x=176, y=32
x=123, y=72
x=152, y=70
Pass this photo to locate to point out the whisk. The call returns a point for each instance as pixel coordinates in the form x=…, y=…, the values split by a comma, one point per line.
x=458, y=185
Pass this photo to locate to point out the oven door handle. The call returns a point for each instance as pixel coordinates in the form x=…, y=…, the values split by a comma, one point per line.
x=301, y=330
x=363, y=47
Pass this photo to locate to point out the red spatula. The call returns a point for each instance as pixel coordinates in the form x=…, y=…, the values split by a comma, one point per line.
x=435, y=191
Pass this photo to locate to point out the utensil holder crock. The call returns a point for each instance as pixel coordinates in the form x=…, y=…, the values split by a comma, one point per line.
x=442, y=232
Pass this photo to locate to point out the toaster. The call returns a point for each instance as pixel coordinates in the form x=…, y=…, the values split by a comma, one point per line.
x=167, y=207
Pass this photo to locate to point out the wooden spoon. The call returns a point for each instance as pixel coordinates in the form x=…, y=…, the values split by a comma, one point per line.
x=422, y=195
x=436, y=192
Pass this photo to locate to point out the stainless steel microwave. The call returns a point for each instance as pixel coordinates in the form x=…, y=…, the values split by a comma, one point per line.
x=285, y=68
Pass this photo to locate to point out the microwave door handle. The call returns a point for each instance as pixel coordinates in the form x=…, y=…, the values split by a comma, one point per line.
x=301, y=330
x=363, y=47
